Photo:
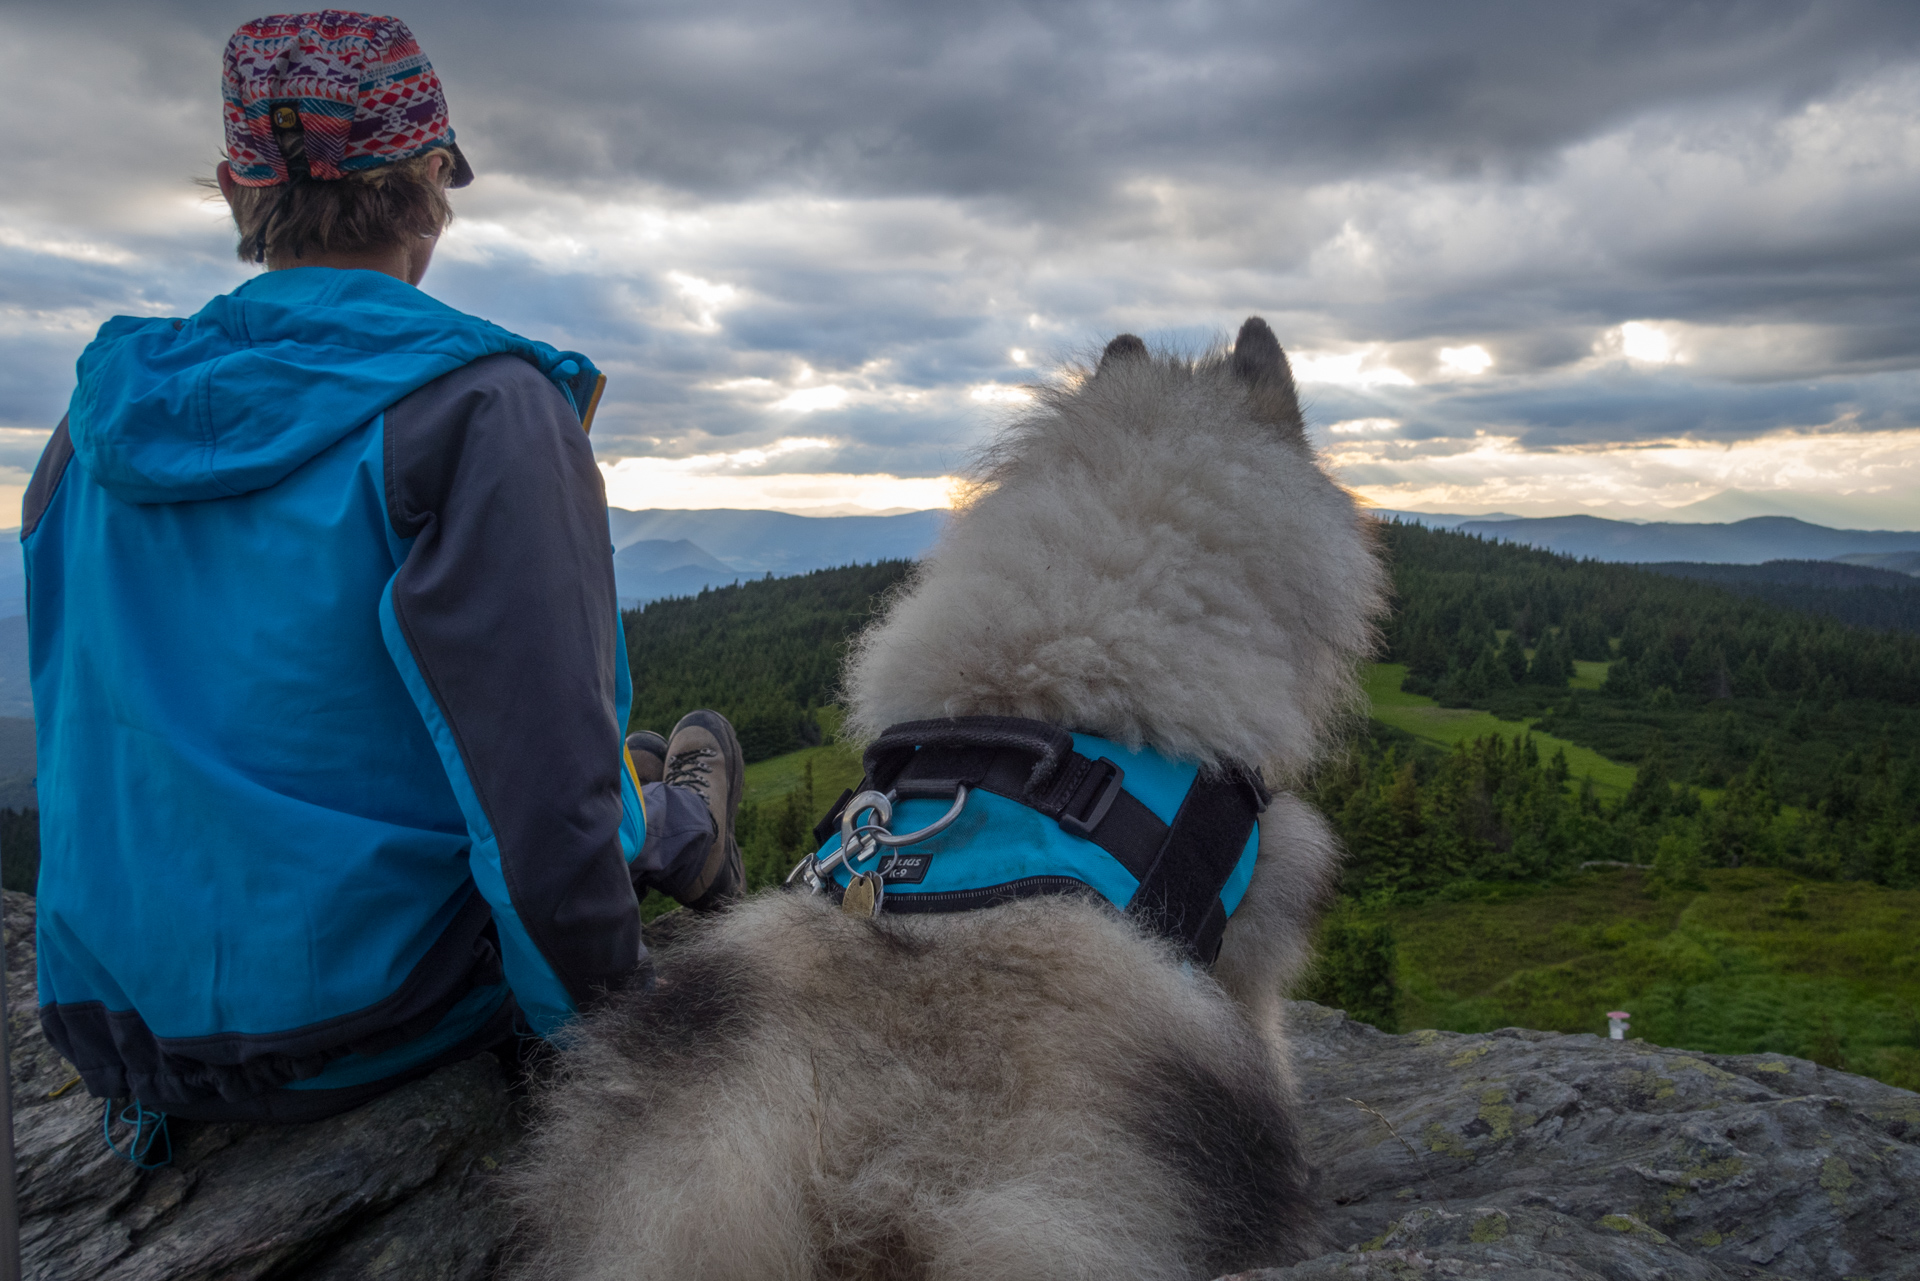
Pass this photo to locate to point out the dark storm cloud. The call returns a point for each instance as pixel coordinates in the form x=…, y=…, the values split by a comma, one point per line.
x=1626, y=409
x=911, y=200
x=1054, y=103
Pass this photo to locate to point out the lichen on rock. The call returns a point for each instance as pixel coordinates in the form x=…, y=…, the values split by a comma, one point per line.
x=1607, y=1159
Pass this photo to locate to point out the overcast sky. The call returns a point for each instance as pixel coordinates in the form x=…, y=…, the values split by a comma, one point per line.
x=1637, y=259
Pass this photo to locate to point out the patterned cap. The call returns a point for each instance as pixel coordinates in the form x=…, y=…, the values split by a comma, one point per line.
x=330, y=93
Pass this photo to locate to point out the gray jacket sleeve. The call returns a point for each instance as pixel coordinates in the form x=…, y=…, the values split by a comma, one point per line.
x=507, y=607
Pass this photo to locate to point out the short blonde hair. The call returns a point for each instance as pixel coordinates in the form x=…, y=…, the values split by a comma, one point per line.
x=368, y=210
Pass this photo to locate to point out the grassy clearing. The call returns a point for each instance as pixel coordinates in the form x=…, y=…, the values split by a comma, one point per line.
x=1756, y=961
x=1587, y=675
x=1444, y=726
x=835, y=767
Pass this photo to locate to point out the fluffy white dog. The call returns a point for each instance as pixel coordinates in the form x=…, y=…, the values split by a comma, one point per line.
x=1048, y=1087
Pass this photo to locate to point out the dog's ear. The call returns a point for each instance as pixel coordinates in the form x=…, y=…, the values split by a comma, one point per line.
x=1125, y=347
x=1259, y=362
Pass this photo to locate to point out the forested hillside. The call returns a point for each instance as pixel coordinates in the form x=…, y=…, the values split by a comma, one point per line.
x=1762, y=735
x=1860, y=595
x=764, y=654
x=1752, y=888
x=1736, y=864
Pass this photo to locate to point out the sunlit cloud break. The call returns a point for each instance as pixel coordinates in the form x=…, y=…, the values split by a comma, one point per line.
x=1871, y=472
x=1363, y=367
x=1469, y=360
x=739, y=478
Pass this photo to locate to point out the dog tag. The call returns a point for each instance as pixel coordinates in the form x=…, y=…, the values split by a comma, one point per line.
x=863, y=896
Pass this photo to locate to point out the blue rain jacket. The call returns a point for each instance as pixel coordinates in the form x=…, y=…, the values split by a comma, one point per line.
x=329, y=686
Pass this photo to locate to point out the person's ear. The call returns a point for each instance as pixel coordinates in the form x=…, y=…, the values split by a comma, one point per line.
x=224, y=176
x=437, y=170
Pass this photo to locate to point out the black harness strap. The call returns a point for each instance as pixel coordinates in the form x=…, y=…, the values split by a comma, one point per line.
x=1180, y=897
x=1181, y=868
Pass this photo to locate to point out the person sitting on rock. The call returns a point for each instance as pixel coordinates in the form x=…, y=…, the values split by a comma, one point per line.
x=327, y=661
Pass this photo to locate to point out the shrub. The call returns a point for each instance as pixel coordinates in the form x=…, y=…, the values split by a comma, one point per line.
x=1354, y=970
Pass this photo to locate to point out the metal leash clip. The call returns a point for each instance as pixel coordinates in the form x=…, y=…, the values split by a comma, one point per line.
x=861, y=841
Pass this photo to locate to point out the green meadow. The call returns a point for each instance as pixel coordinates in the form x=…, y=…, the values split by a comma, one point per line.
x=1735, y=961
x=1752, y=960
x=1425, y=719
x=835, y=768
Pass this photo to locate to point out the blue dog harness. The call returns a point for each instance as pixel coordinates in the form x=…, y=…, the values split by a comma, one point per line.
x=994, y=808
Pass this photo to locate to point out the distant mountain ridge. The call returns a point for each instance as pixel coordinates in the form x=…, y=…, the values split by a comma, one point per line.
x=670, y=552
x=765, y=542
x=1744, y=542
x=664, y=552
x=1897, y=562
x=1826, y=574
x=657, y=555
x=16, y=693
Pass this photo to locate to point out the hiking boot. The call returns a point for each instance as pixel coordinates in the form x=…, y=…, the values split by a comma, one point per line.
x=704, y=756
x=649, y=754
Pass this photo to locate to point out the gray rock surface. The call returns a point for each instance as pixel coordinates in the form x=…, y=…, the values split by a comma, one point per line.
x=397, y=1189
x=1519, y=1155
x=1524, y=1154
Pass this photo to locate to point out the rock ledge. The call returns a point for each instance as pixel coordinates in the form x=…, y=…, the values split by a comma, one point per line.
x=1525, y=1154
x=1515, y=1154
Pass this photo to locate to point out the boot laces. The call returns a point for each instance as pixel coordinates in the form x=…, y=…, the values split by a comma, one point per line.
x=692, y=768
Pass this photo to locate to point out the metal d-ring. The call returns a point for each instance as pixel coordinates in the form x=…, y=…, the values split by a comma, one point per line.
x=934, y=828
x=850, y=817
x=864, y=845
x=858, y=840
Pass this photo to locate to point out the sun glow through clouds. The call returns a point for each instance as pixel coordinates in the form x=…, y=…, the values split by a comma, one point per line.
x=1648, y=343
x=732, y=479
x=1649, y=481
x=1364, y=368
x=1471, y=360
x=704, y=299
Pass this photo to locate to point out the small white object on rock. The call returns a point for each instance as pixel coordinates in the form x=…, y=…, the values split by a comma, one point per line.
x=1617, y=1024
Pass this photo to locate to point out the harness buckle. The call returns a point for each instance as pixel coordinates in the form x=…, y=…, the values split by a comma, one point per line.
x=1082, y=825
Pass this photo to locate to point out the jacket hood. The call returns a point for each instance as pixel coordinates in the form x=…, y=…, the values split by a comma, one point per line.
x=233, y=399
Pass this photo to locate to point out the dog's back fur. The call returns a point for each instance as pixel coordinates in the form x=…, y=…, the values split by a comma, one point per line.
x=1039, y=1090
